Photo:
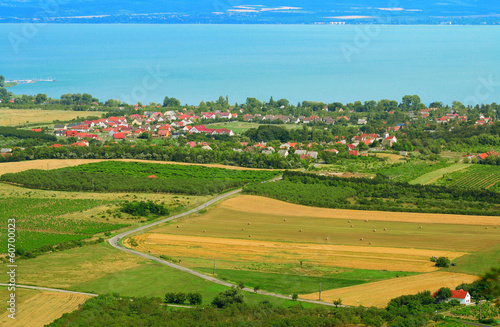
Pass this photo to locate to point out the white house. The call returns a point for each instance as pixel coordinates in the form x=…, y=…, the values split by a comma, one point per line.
x=462, y=296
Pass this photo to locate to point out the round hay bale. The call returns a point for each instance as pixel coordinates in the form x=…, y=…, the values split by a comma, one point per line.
x=178, y=226
x=366, y=220
x=420, y=227
x=348, y=221
x=249, y=235
x=284, y=219
x=486, y=228
x=369, y=243
x=242, y=229
x=300, y=230
x=352, y=226
x=385, y=228
x=361, y=239
x=374, y=230
x=326, y=239
x=248, y=224
x=204, y=231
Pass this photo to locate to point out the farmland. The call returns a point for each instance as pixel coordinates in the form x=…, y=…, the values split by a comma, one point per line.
x=474, y=177
x=36, y=308
x=242, y=127
x=13, y=117
x=406, y=172
x=283, y=247
x=378, y=294
x=39, y=222
x=116, y=176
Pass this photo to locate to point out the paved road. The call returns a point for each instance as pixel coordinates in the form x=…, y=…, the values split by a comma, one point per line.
x=115, y=242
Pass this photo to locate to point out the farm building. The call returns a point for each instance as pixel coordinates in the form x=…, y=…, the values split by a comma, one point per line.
x=460, y=295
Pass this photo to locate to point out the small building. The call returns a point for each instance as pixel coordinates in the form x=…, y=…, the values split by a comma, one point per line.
x=462, y=296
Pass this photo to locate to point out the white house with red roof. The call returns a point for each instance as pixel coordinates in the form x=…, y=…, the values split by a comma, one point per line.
x=462, y=296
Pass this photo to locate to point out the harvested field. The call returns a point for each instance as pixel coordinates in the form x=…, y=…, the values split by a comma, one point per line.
x=13, y=117
x=15, y=167
x=378, y=294
x=258, y=204
x=42, y=309
x=324, y=255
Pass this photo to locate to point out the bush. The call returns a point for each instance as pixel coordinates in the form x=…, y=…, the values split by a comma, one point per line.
x=227, y=297
x=443, y=262
x=175, y=297
x=194, y=298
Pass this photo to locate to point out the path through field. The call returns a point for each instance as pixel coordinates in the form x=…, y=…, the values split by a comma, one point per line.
x=433, y=176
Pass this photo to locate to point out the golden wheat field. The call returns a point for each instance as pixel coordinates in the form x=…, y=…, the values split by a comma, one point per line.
x=258, y=204
x=324, y=255
x=378, y=294
x=22, y=116
x=39, y=308
x=15, y=167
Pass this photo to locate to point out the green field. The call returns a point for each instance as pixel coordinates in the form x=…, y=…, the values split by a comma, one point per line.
x=38, y=222
x=406, y=172
x=474, y=177
x=242, y=127
x=283, y=283
x=432, y=176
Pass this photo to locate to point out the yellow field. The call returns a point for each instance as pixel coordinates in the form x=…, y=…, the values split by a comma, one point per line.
x=324, y=255
x=15, y=167
x=263, y=205
x=40, y=308
x=379, y=293
x=12, y=117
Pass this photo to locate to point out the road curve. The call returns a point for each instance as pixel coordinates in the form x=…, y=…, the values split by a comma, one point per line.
x=115, y=242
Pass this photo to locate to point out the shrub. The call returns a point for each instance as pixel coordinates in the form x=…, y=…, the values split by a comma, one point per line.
x=228, y=297
x=194, y=298
x=443, y=262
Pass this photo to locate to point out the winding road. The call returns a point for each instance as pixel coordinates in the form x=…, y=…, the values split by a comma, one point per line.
x=115, y=242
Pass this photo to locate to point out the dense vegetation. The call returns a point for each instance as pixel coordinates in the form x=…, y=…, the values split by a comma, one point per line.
x=25, y=134
x=144, y=208
x=378, y=194
x=406, y=172
x=39, y=225
x=475, y=177
x=113, y=310
x=138, y=177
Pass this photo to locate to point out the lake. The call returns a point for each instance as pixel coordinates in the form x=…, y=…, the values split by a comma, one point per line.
x=298, y=62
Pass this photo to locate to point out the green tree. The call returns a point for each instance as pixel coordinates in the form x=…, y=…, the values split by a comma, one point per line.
x=2, y=81
x=443, y=262
x=40, y=98
x=194, y=298
x=295, y=297
x=171, y=102
x=337, y=302
x=227, y=297
x=443, y=294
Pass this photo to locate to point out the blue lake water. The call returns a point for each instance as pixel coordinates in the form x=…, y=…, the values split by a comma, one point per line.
x=298, y=62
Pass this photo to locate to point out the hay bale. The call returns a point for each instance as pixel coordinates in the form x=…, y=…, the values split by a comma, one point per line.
x=361, y=239
x=369, y=243
x=249, y=235
x=300, y=230
x=366, y=220
x=348, y=221
x=242, y=229
x=284, y=219
x=420, y=227
x=204, y=231
x=248, y=224
x=352, y=226
x=486, y=228
x=326, y=239
x=178, y=226
x=374, y=230
x=385, y=228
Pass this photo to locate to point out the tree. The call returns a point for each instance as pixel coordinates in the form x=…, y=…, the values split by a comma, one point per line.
x=493, y=277
x=443, y=294
x=2, y=81
x=194, y=298
x=337, y=302
x=256, y=288
x=40, y=98
x=443, y=262
x=295, y=296
x=227, y=297
x=241, y=285
x=171, y=102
